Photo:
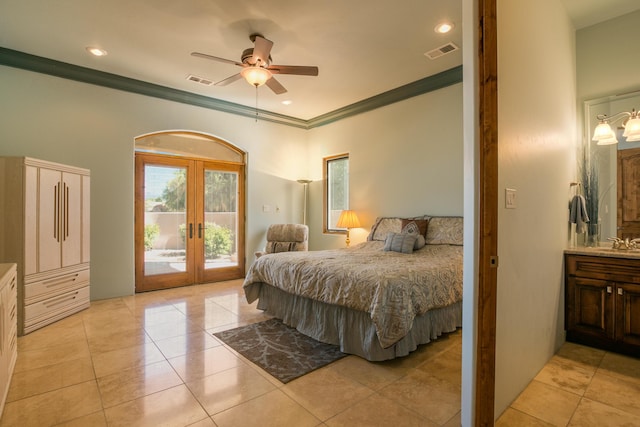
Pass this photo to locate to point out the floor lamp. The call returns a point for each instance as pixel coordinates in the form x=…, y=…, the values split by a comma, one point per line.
x=304, y=182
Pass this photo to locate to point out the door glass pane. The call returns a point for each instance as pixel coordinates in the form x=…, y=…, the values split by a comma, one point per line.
x=165, y=193
x=221, y=219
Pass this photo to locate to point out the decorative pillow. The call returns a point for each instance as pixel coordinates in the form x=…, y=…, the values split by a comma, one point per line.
x=384, y=226
x=400, y=242
x=445, y=230
x=415, y=226
x=420, y=242
x=275, y=247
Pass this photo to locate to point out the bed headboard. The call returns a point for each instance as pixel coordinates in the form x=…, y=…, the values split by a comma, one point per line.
x=440, y=230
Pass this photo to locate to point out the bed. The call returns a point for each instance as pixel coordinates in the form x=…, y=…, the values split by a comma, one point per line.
x=379, y=299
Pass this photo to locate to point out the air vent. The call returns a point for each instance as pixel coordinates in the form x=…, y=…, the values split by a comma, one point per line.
x=442, y=50
x=200, y=80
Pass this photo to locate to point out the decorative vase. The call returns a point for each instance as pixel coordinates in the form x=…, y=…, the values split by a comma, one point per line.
x=592, y=238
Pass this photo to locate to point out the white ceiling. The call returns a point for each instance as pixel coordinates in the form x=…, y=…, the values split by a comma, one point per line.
x=362, y=47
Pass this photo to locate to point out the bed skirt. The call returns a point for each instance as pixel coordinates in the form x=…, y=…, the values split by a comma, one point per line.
x=352, y=330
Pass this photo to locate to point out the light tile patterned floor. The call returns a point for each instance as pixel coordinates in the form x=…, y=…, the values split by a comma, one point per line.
x=151, y=359
x=582, y=387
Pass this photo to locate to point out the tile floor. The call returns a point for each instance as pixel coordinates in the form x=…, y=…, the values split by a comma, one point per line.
x=151, y=359
x=580, y=386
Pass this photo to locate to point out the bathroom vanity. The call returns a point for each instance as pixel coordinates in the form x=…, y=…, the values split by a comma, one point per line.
x=602, y=298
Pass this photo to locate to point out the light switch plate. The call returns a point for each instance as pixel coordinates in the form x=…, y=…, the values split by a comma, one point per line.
x=509, y=198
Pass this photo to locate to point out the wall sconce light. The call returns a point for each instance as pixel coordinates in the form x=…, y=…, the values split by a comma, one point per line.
x=604, y=135
x=348, y=220
x=255, y=76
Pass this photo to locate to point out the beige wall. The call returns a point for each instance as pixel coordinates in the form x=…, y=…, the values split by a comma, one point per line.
x=407, y=146
x=405, y=159
x=537, y=145
x=94, y=127
x=607, y=59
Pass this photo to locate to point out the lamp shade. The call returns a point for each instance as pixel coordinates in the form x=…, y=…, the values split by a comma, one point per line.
x=256, y=76
x=603, y=132
x=632, y=129
x=348, y=219
x=608, y=141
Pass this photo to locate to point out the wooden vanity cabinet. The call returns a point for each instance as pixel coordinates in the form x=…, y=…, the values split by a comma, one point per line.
x=602, y=302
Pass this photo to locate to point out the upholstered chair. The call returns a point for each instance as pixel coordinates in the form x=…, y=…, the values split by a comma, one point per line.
x=286, y=238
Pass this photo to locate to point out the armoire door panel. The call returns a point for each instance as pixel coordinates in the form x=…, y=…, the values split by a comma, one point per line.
x=86, y=220
x=31, y=220
x=49, y=220
x=71, y=216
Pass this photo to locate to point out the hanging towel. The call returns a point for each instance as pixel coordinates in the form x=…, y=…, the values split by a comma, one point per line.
x=578, y=213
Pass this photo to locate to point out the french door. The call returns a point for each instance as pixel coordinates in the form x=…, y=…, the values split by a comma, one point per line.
x=189, y=224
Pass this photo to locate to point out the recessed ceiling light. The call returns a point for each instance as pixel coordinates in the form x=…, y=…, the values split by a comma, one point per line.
x=96, y=51
x=444, y=27
x=287, y=102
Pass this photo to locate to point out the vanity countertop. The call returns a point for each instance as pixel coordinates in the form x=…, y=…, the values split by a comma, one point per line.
x=604, y=251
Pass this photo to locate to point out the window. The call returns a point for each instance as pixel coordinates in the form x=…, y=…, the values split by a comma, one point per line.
x=336, y=190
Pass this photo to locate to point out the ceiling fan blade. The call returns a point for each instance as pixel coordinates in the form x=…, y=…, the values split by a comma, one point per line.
x=228, y=80
x=215, y=58
x=261, y=50
x=275, y=86
x=293, y=69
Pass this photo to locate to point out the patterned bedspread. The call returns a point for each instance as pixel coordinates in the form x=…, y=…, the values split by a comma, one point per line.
x=393, y=287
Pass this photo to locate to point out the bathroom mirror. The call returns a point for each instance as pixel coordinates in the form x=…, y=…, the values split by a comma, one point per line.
x=604, y=157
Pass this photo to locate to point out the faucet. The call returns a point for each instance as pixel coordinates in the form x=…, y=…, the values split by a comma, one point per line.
x=625, y=244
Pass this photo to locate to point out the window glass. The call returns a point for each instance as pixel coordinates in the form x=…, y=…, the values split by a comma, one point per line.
x=336, y=178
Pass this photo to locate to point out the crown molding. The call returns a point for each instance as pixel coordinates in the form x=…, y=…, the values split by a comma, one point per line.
x=419, y=87
x=39, y=64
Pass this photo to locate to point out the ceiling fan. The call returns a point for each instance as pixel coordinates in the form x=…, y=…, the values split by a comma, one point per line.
x=257, y=68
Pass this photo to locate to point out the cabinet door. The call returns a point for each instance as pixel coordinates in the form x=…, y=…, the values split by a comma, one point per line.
x=628, y=313
x=86, y=223
x=590, y=307
x=71, y=216
x=49, y=220
x=31, y=220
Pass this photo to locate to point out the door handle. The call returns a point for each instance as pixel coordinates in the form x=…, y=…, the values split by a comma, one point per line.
x=191, y=230
x=200, y=230
x=620, y=291
x=609, y=289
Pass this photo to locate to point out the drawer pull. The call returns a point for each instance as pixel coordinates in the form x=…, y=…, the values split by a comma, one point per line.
x=58, y=281
x=12, y=314
x=620, y=291
x=13, y=284
x=61, y=300
x=609, y=290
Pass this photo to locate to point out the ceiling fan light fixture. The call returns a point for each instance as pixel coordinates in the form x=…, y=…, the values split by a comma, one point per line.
x=255, y=76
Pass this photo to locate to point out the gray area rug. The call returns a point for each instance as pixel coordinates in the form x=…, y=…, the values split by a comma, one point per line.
x=280, y=350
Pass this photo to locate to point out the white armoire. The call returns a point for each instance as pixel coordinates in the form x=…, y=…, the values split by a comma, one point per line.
x=44, y=228
x=8, y=336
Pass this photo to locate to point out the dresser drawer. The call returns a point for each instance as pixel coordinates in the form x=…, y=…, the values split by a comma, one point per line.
x=53, y=307
x=55, y=285
x=604, y=268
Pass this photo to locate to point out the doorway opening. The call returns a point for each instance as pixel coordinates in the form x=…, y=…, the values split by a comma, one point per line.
x=189, y=210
